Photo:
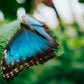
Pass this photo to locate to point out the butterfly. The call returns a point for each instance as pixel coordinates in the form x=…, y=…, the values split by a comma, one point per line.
x=33, y=44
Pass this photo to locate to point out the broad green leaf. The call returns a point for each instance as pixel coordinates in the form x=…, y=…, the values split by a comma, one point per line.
x=7, y=32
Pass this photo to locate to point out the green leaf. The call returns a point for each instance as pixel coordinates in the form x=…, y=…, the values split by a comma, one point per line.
x=10, y=7
x=7, y=32
x=60, y=49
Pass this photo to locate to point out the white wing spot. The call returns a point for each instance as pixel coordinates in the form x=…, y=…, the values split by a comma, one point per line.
x=5, y=53
x=4, y=75
x=4, y=68
x=12, y=63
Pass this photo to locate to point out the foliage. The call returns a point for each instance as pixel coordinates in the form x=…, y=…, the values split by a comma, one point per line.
x=10, y=7
x=81, y=1
x=66, y=68
x=7, y=32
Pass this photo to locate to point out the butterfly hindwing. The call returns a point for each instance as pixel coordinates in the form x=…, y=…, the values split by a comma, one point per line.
x=25, y=50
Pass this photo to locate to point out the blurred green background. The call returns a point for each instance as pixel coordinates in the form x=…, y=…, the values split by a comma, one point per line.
x=66, y=22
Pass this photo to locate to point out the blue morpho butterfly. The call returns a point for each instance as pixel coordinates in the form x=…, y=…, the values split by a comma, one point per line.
x=31, y=45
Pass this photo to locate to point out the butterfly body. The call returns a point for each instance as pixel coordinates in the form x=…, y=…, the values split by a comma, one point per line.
x=31, y=45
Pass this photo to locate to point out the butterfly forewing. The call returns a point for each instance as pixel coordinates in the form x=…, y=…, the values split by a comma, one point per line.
x=40, y=27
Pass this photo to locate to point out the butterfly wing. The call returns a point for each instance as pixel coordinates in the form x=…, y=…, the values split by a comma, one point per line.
x=25, y=50
x=40, y=28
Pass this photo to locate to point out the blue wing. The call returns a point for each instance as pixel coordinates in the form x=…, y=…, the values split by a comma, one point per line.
x=27, y=48
x=30, y=20
x=26, y=44
x=35, y=24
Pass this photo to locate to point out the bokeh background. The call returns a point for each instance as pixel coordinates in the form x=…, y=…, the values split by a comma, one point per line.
x=65, y=18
